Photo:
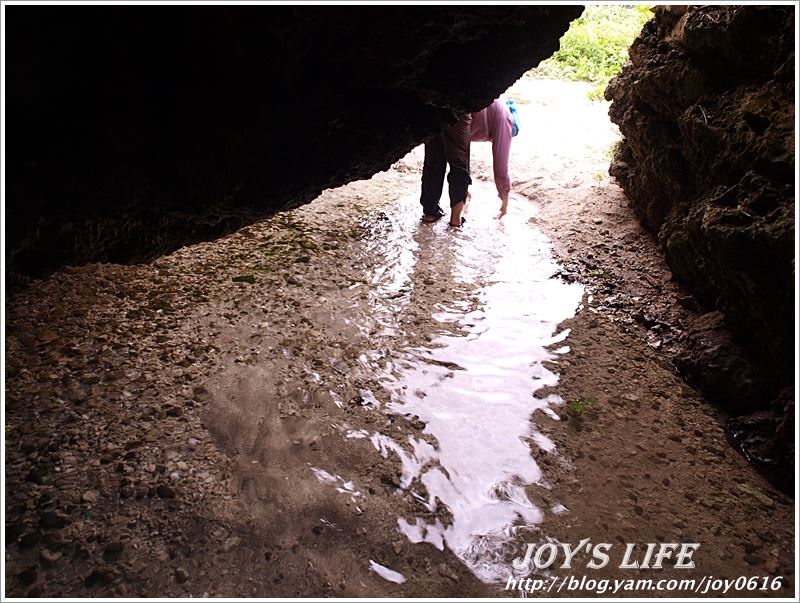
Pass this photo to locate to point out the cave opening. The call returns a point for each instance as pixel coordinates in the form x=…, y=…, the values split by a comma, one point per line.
x=237, y=363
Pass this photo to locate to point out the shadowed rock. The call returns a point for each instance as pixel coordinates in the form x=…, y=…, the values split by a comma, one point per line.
x=706, y=107
x=132, y=132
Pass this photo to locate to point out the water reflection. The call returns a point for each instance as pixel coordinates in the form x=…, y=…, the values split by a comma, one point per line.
x=474, y=385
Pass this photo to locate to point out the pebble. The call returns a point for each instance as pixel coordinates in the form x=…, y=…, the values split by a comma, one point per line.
x=772, y=564
x=757, y=494
x=231, y=543
x=46, y=335
x=447, y=572
x=418, y=424
x=49, y=557
x=90, y=496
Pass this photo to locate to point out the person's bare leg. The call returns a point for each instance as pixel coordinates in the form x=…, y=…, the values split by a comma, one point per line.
x=455, y=213
x=456, y=141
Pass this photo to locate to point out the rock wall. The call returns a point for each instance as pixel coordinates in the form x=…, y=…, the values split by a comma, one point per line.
x=706, y=107
x=133, y=131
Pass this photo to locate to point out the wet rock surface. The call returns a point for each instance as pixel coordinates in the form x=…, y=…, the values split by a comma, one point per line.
x=707, y=111
x=130, y=136
x=173, y=432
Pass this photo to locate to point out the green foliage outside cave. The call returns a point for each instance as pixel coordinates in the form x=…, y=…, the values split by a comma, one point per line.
x=595, y=47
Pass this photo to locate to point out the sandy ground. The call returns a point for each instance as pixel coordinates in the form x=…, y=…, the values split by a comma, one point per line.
x=379, y=407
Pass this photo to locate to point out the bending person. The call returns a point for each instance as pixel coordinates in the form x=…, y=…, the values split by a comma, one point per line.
x=495, y=124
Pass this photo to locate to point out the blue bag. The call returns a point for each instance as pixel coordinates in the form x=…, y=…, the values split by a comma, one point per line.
x=512, y=107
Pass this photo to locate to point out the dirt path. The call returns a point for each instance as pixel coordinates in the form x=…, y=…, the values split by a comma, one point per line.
x=379, y=407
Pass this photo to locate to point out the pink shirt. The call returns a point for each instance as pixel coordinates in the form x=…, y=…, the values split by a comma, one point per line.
x=494, y=123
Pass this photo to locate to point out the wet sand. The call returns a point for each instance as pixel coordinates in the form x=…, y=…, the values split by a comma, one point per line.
x=378, y=407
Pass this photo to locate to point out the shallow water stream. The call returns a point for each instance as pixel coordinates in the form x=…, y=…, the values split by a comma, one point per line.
x=474, y=386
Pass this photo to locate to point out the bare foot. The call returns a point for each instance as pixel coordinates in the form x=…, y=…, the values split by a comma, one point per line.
x=503, y=209
x=456, y=211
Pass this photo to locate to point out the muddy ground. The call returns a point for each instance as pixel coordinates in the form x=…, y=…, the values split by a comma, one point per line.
x=274, y=413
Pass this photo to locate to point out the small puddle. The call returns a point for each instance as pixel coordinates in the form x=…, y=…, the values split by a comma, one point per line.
x=473, y=384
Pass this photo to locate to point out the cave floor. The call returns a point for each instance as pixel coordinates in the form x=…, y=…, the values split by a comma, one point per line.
x=342, y=401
